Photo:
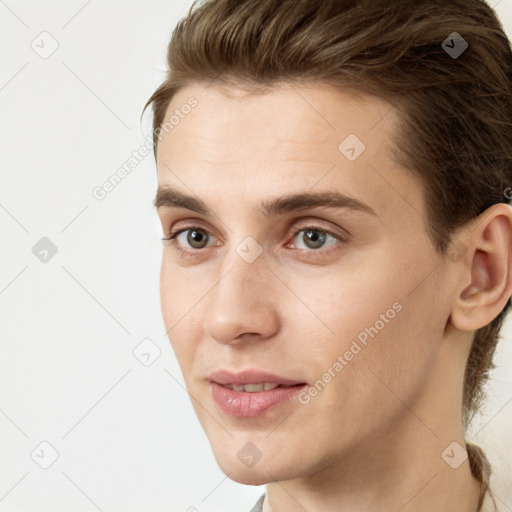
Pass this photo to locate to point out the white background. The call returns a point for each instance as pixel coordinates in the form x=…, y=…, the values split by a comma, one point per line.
x=126, y=435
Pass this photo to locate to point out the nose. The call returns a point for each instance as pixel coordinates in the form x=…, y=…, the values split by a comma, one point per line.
x=243, y=304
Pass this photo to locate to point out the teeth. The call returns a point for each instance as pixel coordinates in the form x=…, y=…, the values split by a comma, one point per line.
x=251, y=388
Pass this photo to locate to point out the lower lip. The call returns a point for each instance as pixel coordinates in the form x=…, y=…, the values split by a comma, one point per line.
x=243, y=404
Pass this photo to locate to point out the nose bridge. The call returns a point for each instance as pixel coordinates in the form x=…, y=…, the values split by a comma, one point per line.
x=245, y=270
x=242, y=300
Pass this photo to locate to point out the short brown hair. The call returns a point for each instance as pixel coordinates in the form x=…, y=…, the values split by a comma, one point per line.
x=455, y=111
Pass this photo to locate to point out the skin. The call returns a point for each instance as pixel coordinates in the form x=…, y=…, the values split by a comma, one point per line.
x=372, y=439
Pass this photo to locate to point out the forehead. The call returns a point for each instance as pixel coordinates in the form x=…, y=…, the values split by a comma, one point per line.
x=288, y=121
x=289, y=139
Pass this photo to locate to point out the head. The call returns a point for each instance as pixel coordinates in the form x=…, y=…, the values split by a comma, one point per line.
x=380, y=104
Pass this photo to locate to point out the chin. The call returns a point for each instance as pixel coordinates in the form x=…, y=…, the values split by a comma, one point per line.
x=264, y=471
x=249, y=478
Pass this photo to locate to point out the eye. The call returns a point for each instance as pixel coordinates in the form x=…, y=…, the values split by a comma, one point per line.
x=190, y=241
x=315, y=238
x=196, y=237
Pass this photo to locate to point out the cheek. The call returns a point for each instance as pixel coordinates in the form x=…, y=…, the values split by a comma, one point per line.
x=366, y=391
x=169, y=291
x=342, y=305
x=378, y=322
x=180, y=305
x=181, y=291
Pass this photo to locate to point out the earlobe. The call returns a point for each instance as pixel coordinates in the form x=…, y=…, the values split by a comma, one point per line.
x=485, y=270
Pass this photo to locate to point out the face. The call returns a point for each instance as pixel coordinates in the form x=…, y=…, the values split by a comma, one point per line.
x=339, y=301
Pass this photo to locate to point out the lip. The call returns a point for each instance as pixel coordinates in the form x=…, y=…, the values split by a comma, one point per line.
x=224, y=377
x=242, y=404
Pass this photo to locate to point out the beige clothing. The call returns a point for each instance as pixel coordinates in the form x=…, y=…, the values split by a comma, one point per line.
x=488, y=505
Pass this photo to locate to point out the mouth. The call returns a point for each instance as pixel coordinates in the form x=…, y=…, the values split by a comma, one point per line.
x=254, y=388
x=253, y=392
x=257, y=399
x=251, y=380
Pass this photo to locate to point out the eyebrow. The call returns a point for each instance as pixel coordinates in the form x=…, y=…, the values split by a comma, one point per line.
x=167, y=197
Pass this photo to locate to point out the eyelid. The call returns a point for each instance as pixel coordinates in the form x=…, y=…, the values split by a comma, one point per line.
x=296, y=227
x=175, y=231
x=311, y=255
x=341, y=234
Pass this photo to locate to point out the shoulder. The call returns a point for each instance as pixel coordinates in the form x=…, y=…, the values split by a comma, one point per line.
x=487, y=505
x=492, y=504
x=498, y=495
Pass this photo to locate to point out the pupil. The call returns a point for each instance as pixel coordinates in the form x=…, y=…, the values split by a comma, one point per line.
x=193, y=235
x=312, y=236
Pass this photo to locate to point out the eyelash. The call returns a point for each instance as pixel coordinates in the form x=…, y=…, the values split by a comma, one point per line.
x=193, y=253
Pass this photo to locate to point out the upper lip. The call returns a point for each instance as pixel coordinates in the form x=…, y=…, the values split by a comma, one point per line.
x=250, y=377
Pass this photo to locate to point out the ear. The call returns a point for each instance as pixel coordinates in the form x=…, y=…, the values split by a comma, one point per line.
x=485, y=278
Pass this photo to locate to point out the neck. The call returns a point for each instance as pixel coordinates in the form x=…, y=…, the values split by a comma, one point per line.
x=411, y=467
x=420, y=482
x=415, y=487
